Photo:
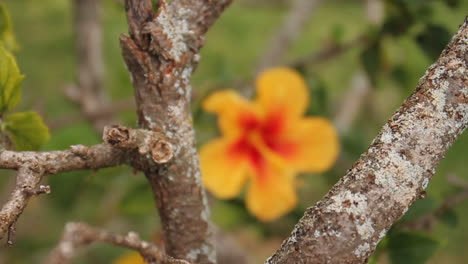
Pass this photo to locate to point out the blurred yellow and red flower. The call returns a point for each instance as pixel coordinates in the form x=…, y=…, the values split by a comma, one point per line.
x=129, y=258
x=267, y=141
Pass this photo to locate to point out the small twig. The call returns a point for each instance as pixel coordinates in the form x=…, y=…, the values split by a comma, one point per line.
x=78, y=235
x=352, y=102
x=457, y=181
x=11, y=234
x=27, y=179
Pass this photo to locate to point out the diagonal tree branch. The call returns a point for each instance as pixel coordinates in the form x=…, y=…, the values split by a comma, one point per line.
x=161, y=53
x=78, y=235
x=347, y=224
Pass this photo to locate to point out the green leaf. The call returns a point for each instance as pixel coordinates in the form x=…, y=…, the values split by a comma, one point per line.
x=26, y=130
x=418, y=209
x=452, y=3
x=319, y=94
x=433, y=40
x=6, y=32
x=372, y=61
x=337, y=33
x=398, y=17
x=411, y=248
x=10, y=81
x=449, y=218
x=137, y=201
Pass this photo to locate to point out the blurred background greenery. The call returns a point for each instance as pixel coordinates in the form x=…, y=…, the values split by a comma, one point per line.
x=394, y=56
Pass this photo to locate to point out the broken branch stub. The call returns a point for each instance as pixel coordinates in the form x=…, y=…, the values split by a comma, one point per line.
x=145, y=141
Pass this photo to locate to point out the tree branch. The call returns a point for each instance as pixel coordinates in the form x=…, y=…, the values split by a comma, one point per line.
x=347, y=224
x=161, y=53
x=27, y=181
x=327, y=53
x=120, y=148
x=78, y=235
x=32, y=166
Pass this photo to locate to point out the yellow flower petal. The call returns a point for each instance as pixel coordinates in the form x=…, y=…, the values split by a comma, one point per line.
x=234, y=112
x=317, y=145
x=282, y=90
x=223, y=173
x=271, y=195
x=130, y=258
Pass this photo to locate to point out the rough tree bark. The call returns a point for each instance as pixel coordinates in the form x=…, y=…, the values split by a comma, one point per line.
x=347, y=224
x=161, y=53
x=123, y=146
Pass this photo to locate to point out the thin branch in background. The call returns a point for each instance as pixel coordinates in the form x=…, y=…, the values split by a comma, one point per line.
x=352, y=102
x=375, y=11
x=348, y=223
x=88, y=92
x=361, y=87
x=292, y=27
x=78, y=235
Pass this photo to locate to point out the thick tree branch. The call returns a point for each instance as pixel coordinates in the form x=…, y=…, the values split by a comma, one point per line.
x=78, y=235
x=161, y=53
x=347, y=224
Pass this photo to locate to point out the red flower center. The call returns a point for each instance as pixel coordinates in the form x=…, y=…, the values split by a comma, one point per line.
x=270, y=130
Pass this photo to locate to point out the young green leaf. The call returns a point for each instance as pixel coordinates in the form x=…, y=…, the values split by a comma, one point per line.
x=26, y=130
x=10, y=81
x=411, y=248
x=6, y=32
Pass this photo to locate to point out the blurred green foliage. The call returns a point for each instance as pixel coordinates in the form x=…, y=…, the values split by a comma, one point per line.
x=395, y=56
x=25, y=130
